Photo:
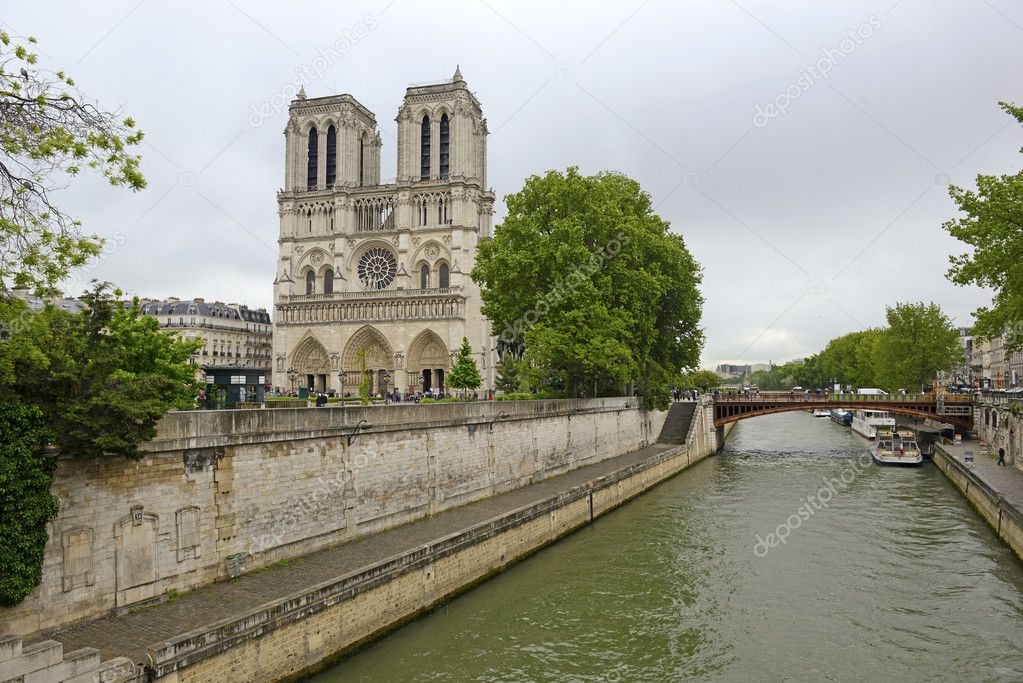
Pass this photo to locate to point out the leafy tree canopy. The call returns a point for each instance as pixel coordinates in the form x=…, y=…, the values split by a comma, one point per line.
x=919, y=342
x=993, y=227
x=49, y=132
x=700, y=379
x=101, y=377
x=590, y=281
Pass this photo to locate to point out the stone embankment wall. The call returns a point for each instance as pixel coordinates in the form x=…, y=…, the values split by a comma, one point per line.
x=288, y=640
x=218, y=491
x=1004, y=518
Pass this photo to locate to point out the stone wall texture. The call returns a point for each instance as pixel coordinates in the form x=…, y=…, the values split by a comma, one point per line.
x=219, y=489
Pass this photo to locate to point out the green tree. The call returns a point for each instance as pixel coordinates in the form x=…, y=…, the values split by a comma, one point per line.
x=919, y=342
x=465, y=375
x=102, y=377
x=993, y=228
x=704, y=380
x=509, y=375
x=49, y=131
x=589, y=279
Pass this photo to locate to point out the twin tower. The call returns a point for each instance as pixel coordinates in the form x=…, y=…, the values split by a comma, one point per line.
x=375, y=276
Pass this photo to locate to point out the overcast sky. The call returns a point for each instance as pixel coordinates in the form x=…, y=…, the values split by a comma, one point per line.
x=807, y=221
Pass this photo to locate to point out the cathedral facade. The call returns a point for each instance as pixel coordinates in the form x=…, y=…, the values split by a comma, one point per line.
x=374, y=275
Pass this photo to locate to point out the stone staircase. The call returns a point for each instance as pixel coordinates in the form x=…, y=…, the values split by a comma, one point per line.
x=45, y=662
x=676, y=425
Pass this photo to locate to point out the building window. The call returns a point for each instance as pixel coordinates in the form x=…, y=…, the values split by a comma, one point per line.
x=328, y=282
x=313, y=151
x=444, y=147
x=443, y=276
x=331, y=156
x=424, y=171
x=424, y=276
x=377, y=268
x=310, y=282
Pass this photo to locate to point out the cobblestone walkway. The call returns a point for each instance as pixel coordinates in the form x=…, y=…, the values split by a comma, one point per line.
x=130, y=635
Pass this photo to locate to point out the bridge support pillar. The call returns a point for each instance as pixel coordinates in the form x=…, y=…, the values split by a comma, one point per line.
x=719, y=436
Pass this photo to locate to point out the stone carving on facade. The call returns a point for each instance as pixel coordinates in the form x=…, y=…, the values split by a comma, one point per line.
x=317, y=258
x=447, y=239
x=351, y=243
x=399, y=359
x=280, y=362
x=299, y=249
x=416, y=241
x=186, y=523
x=432, y=252
x=77, y=555
x=395, y=240
x=335, y=359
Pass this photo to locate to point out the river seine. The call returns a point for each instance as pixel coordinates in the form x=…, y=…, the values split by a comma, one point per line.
x=786, y=557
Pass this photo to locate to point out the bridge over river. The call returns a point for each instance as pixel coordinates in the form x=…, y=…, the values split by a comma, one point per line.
x=954, y=409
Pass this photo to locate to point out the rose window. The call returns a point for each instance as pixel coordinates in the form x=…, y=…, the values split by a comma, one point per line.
x=377, y=268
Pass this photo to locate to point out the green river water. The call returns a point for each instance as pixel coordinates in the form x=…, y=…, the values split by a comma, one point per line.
x=888, y=575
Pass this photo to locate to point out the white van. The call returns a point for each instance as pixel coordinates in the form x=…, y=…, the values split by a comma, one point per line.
x=872, y=392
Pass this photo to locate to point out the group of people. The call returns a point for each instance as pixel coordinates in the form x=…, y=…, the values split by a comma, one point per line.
x=678, y=394
x=387, y=397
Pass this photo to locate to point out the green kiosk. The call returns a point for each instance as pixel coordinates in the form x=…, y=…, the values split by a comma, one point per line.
x=228, y=386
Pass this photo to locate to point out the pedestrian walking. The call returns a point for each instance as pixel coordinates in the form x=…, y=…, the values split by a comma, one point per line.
x=1001, y=456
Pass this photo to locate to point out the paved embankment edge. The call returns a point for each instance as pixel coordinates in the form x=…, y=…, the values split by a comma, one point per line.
x=1003, y=517
x=292, y=638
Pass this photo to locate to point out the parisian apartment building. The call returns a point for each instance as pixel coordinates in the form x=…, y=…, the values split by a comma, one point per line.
x=232, y=334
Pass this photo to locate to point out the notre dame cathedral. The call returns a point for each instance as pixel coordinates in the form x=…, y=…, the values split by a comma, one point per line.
x=378, y=273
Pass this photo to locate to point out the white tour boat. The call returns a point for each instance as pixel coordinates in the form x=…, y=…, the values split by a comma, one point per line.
x=821, y=412
x=898, y=447
x=865, y=422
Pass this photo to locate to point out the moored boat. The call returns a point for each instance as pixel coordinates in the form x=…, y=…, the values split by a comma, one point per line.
x=842, y=417
x=896, y=447
x=866, y=422
x=821, y=412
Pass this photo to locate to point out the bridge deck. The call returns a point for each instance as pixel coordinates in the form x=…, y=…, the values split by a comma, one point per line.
x=954, y=409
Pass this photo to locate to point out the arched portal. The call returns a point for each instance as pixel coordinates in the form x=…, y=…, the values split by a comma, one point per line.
x=427, y=362
x=379, y=360
x=311, y=362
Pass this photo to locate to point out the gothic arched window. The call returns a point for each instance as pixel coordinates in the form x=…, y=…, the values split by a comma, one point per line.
x=331, y=156
x=313, y=151
x=443, y=276
x=310, y=282
x=328, y=282
x=444, y=138
x=362, y=159
x=424, y=170
x=424, y=277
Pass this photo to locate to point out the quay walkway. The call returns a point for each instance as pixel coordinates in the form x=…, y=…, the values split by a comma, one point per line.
x=996, y=491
